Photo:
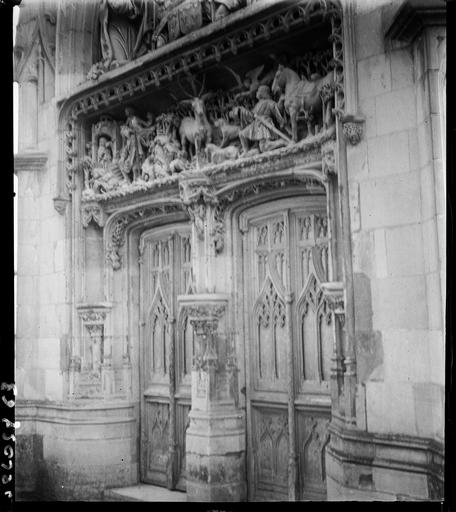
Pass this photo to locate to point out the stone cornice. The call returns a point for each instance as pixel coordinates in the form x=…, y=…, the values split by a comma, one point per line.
x=413, y=16
x=29, y=162
x=383, y=450
x=237, y=32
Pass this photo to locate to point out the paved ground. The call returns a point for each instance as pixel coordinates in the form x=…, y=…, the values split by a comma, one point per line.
x=143, y=492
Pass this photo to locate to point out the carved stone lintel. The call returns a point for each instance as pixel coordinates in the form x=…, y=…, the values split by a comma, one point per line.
x=334, y=295
x=92, y=212
x=60, y=204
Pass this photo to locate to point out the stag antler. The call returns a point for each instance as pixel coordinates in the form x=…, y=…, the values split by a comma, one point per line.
x=237, y=77
x=190, y=96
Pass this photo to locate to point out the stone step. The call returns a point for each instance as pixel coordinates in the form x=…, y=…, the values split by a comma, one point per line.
x=143, y=492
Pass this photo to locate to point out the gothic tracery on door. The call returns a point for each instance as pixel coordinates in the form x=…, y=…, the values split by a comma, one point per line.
x=167, y=348
x=285, y=254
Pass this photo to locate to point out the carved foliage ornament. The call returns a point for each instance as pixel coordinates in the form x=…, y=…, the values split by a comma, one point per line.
x=116, y=234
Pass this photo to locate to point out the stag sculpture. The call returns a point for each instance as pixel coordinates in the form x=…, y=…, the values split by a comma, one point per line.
x=195, y=131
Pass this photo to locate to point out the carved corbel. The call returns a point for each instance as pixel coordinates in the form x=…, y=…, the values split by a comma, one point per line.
x=92, y=211
x=60, y=204
x=352, y=126
x=334, y=296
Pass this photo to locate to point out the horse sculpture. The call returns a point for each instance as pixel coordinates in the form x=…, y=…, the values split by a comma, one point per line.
x=310, y=96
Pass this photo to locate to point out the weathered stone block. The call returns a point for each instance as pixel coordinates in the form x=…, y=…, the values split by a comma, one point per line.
x=406, y=355
x=28, y=259
x=53, y=382
x=28, y=232
x=48, y=351
x=374, y=76
x=396, y=111
x=434, y=306
x=389, y=154
x=367, y=109
x=436, y=136
x=59, y=256
x=399, y=303
x=381, y=269
x=435, y=42
x=436, y=357
x=440, y=187
x=395, y=482
x=357, y=161
x=27, y=329
x=424, y=136
x=414, y=159
x=27, y=289
x=404, y=249
x=391, y=201
x=363, y=252
x=390, y=408
x=369, y=37
x=429, y=409
x=401, y=68
x=430, y=246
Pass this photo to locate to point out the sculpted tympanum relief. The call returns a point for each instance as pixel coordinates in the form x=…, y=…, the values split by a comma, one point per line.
x=267, y=110
x=131, y=28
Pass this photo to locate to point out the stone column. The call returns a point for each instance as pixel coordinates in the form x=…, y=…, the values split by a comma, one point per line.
x=215, y=441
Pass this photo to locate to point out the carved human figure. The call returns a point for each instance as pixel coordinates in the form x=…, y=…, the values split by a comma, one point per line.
x=133, y=152
x=262, y=129
x=103, y=179
x=123, y=26
x=104, y=155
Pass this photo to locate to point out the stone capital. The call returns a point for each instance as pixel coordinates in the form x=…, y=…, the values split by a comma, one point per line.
x=334, y=295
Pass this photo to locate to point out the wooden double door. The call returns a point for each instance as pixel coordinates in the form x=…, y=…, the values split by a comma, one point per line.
x=288, y=347
x=167, y=344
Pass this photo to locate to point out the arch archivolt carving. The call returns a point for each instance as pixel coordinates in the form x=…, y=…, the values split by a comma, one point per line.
x=119, y=223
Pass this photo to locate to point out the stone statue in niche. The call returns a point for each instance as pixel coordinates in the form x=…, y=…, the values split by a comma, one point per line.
x=135, y=134
x=101, y=170
x=165, y=156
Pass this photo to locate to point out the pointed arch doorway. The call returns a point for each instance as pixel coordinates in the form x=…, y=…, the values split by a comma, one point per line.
x=288, y=348
x=167, y=344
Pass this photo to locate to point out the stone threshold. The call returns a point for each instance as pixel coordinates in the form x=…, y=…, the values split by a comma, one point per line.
x=143, y=492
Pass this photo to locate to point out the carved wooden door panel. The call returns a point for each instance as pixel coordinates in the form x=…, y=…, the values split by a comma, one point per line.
x=285, y=260
x=167, y=348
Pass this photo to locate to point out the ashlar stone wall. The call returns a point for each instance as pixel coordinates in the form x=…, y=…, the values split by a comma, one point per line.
x=396, y=191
